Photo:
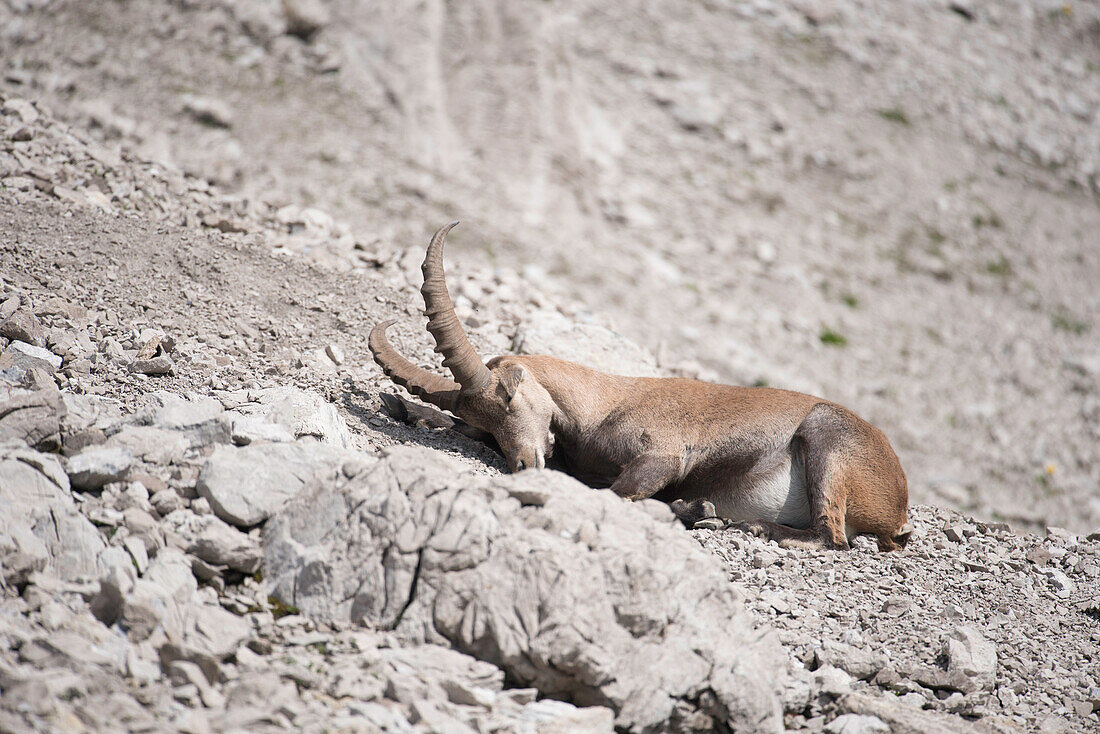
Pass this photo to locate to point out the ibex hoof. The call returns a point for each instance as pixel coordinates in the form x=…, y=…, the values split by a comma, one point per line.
x=710, y=523
x=698, y=513
x=753, y=528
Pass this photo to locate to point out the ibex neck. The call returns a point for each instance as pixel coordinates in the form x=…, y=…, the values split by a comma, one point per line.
x=583, y=396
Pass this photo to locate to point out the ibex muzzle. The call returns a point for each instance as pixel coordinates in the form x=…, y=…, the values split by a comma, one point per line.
x=807, y=472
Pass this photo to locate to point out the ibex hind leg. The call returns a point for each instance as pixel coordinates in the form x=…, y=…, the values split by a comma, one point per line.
x=820, y=444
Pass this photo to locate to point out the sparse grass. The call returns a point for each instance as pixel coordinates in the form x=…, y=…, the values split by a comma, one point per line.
x=988, y=220
x=832, y=338
x=1065, y=321
x=850, y=300
x=936, y=238
x=1000, y=267
x=893, y=114
x=280, y=610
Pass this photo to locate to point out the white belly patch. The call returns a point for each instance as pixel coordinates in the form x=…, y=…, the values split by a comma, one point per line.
x=778, y=494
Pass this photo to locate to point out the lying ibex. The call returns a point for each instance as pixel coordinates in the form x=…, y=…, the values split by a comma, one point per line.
x=799, y=469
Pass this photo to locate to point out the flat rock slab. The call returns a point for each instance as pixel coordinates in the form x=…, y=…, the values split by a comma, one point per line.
x=150, y=444
x=33, y=418
x=94, y=467
x=215, y=542
x=25, y=327
x=39, y=524
x=303, y=413
x=29, y=356
x=567, y=597
x=246, y=485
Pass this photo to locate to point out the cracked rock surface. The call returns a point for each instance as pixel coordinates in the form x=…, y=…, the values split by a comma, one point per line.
x=565, y=595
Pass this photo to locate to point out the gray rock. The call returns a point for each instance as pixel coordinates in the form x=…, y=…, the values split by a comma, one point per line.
x=208, y=110
x=971, y=663
x=33, y=418
x=138, y=551
x=303, y=413
x=567, y=597
x=215, y=542
x=94, y=467
x=113, y=350
x=159, y=365
x=857, y=662
x=166, y=501
x=200, y=418
x=1087, y=365
x=161, y=599
x=558, y=717
x=413, y=673
x=150, y=444
x=25, y=327
x=171, y=572
x=23, y=108
x=183, y=672
x=857, y=724
x=257, y=690
x=173, y=412
x=971, y=654
x=30, y=356
x=246, y=485
x=250, y=429
x=832, y=681
x=904, y=719
x=305, y=17
x=8, y=306
x=86, y=420
x=39, y=524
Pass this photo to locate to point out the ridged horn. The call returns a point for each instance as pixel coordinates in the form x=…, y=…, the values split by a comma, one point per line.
x=436, y=389
x=459, y=355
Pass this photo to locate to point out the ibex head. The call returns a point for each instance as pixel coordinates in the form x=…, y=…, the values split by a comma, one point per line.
x=501, y=397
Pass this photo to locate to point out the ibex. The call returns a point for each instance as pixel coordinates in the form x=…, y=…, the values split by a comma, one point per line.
x=801, y=470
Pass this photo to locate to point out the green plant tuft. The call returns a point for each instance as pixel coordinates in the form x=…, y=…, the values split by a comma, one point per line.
x=893, y=114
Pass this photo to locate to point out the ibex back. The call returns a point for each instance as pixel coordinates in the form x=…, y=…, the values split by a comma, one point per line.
x=802, y=470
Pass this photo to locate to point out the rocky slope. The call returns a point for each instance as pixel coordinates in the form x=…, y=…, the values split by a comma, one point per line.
x=203, y=515
x=207, y=523
x=894, y=209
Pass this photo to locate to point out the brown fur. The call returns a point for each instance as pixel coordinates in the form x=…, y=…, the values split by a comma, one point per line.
x=680, y=439
x=700, y=446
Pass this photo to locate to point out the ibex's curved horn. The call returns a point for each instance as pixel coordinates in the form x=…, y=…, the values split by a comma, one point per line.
x=436, y=389
x=450, y=340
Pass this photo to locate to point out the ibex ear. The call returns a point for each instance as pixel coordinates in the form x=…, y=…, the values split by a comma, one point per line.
x=510, y=380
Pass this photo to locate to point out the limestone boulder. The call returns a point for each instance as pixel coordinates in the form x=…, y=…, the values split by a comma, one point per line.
x=246, y=485
x=585, y=597
x=40, y=526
